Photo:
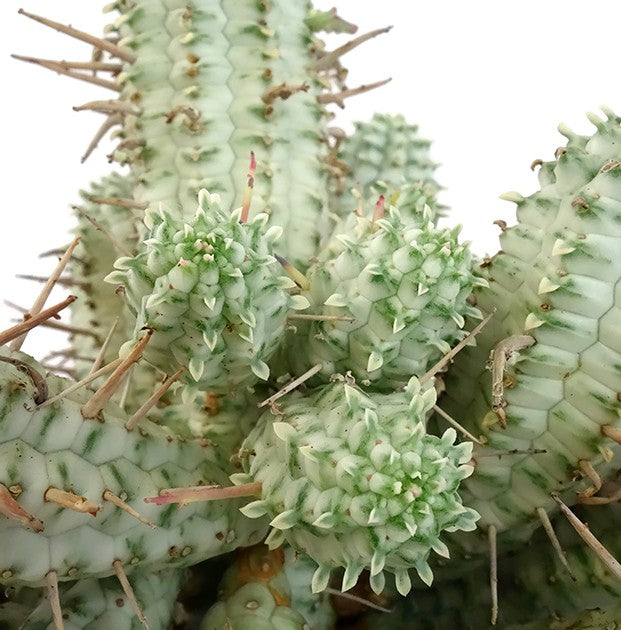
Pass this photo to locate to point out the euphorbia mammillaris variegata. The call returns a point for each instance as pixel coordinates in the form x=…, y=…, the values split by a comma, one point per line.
x=269, y=336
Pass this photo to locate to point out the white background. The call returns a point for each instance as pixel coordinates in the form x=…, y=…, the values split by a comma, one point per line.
x=488, y=81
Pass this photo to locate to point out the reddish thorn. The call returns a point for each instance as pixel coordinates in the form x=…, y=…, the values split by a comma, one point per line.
x=248, y=192
x=379, y=209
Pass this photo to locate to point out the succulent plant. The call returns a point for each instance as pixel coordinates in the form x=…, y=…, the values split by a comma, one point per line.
x=353, y=481
x=251, y=250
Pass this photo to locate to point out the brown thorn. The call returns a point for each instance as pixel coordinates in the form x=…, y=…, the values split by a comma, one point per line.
x=294, y=273
x=356, y=598
x=493, y=572
x=205, y=493
x=283, y=91
x=339, y=97
x=501, y=353
x=611, y=432
x=193, y=117
x=73, y=330
x=357, y=193
x=547, y=526
x=456, y=425
x=583, y=531
x=102, y=44
x=127, y=382
x=13, y=510
x=99, y=359
x=108, y=107
x=116, y=500
x=56, y=67
x=247, y=199
x=69, y=353
x=58, y=251
x=535, y=163
x=16, y=344
x=71, y=373
x=329, y=58
x=513, y=451
x=92, y=408
x=85, y=381
x=291, y=386
x=37, y=379
x=71, y=501
x=32, y=322
x=601, y=500
x=152, y=400
x=61, y=282
x=129, y=591
x=108, y=123
x=105, y=232
x=321, y=318
x=120, y=201
x=95, y=66
x=587, y=468
x=453, y=351
x=52, y=594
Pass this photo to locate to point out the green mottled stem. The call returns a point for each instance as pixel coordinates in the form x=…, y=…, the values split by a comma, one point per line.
x=55, y=448
x=556, y=282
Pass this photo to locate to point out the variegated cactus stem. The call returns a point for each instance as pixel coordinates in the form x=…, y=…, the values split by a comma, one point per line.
x=553, y=341
x=394, y=290
x=107, y=230
x=213, y=292
x=385, y=154
x=364, y=471
x=147, y=600
x=73, y=477
x=268, y=93
x=534, y=586
x=187, y=123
